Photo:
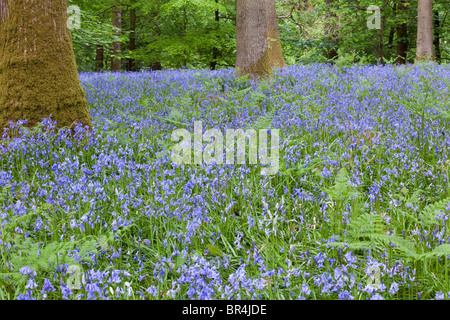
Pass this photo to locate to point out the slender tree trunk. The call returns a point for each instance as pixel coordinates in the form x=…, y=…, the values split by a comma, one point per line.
x=437, y=35
x=215, y=51
x=117, y=22
x=376, y=49
x=425, y=31
x=391, y=38
x=99, y=58
x=402, y=37
x=402, y=43
x=383, y=21
x=38, y=72
x=258, y=46
x=155, y=66
x=132, y=44
x=185, y=21
x=330, y=31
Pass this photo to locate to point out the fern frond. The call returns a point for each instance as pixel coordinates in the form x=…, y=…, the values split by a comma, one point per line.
x=442, y=250
x=429, y=214
x=342, y=190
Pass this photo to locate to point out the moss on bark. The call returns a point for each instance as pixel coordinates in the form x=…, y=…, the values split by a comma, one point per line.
x=38, y=73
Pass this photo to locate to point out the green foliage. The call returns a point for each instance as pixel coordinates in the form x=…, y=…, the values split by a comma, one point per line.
x=181, y=33
x=427, y=217
x=96, y=30
x=369, y=231
x=341, y=190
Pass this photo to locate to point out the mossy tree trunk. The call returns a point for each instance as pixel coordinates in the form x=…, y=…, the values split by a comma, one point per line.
x=258, y=47
x=38, y=73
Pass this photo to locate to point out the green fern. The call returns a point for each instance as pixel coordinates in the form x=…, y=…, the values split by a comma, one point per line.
x=47, y=258
x=361, y=232
x=44, y=259
x=342, y=190
x=429, y=214
x=365, y=225
x=404, y=247
x=263, y=122
x=439, y=251
x=368, y=231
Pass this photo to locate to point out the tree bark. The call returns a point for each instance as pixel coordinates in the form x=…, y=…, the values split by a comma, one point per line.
x=99, y=58
x=383, y=21
x=116, y=64
x=38, y=72
x=437, y=35
x=402, y=37
x=215, y=51
x=402, y=43
x=258, y=46
x=154, y=66
x=132, y=43
x=391, y=39
x=425, y=31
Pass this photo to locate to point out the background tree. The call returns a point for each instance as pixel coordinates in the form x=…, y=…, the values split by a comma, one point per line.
x=215, y=50
x=93, y=41
x=425, y=50
x=132, y=42
x=38, y=73
x=170, y=34
x=258, y=46
x=117, y=23
x=402, y=34
x=330, y=29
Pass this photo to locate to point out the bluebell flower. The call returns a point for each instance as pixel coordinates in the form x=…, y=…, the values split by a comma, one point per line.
x=26, y=296
x=152, y=290
x=48, y=287
x=394, y=288
x=376, y=296
x=27, y=271
x=305, y=289
x=439, y=296
x=66, y=291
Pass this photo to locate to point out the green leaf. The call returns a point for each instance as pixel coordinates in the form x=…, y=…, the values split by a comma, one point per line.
x=214, y=250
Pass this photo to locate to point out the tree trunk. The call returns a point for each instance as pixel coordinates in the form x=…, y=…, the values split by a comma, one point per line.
x=402, y=43
x=330, y=31
x=391, y=39
x=99, y=58
x=425, y=31
x=215, y=51
x=117, y=22
x=383, y=20
x=155, y=66
x=38, y=72
x=132, y=44
x=402, y=37
x=437, y=35
x=185, y=22
x=258, y=47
